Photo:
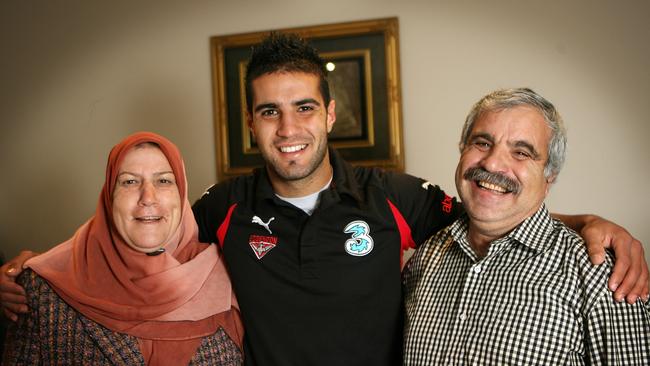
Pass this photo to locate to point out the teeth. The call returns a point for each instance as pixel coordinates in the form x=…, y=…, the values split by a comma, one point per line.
x=491, y=186
x=149, y=218
x=290, y=149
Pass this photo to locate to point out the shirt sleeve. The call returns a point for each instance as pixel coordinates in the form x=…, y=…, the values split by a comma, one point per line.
x=617, y=333
x=425, y=206
x=210, y=211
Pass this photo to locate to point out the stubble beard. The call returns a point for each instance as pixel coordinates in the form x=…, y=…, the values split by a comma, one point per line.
x=293, y=172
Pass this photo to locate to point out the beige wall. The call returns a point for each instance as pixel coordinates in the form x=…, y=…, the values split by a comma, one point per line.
x=76, y=76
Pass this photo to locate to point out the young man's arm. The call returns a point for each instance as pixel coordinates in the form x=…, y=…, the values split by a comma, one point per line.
x=23, y=345
x=13, y=300
x=600, y=234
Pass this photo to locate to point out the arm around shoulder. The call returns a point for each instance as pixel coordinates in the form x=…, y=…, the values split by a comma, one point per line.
x=12, y=295
x=23, y=342
x=630, y=278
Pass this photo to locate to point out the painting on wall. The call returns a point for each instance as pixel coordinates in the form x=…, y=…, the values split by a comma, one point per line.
x=363, y=72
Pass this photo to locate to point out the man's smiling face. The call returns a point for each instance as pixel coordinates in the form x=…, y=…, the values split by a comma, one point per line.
x=290, y=123
x=500, y=175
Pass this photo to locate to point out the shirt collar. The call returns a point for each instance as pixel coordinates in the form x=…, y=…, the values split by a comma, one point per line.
x=533, y=232
x=344, y=178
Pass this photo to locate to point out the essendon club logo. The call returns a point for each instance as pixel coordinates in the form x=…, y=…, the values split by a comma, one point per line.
x=262, y=244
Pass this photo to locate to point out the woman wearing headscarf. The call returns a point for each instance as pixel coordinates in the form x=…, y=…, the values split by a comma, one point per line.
x=133, y=286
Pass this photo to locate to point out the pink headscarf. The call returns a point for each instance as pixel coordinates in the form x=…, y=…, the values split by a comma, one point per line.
x=168, y=301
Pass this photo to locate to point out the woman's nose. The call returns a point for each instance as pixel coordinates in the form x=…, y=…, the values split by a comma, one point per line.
x=148, y=194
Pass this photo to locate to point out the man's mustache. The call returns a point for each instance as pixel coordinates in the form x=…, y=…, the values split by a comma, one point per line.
x=480, y=174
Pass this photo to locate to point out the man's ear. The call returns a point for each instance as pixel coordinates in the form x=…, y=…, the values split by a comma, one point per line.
x=331, y=115
x=551, y=179
x=249, y=122
x=549, y=182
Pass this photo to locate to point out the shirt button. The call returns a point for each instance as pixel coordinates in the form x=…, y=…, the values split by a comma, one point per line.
x=478, y=269
x=462, y=317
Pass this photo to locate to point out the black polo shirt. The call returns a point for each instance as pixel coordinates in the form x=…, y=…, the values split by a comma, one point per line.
x=323, y=289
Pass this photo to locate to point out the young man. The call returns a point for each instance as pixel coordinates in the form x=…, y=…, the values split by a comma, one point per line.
x=314, y=245
x=507, y=284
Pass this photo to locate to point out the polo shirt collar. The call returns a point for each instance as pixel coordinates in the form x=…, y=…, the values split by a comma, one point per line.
x=264, y=189
x=344, y=180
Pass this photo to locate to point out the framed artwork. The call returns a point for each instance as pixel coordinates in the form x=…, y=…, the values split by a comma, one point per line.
x=363, y=72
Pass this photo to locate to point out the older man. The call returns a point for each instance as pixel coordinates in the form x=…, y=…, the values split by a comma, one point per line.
x=506, y=283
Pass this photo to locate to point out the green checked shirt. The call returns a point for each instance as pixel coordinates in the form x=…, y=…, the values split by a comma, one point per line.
x=534, y=299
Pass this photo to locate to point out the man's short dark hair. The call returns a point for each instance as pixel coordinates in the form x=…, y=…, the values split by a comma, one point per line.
x=285, y=52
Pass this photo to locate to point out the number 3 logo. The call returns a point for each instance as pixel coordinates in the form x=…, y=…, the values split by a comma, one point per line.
x=360, y=243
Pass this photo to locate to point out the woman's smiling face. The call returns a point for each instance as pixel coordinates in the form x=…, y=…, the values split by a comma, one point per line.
x=146, y=200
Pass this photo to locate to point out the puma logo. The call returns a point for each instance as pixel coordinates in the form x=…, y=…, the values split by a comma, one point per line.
x=257, y=220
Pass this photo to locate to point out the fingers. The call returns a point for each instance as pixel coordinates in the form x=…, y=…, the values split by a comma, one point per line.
x=621, y=280
x=625, y=273
x=12, y=296
x=14, y=267
x=632, y=283
x=8, y=273
x=640, y=287
x=596, y=255
x=9, y=289
x=626, y=282
x=9, y=315
x=20, y=260
x=13, y=305
x=596, y=243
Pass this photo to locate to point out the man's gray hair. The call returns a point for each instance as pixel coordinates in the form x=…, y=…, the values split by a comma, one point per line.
x=509, y=98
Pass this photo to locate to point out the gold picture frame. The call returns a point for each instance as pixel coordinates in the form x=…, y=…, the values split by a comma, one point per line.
x=365, y=83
